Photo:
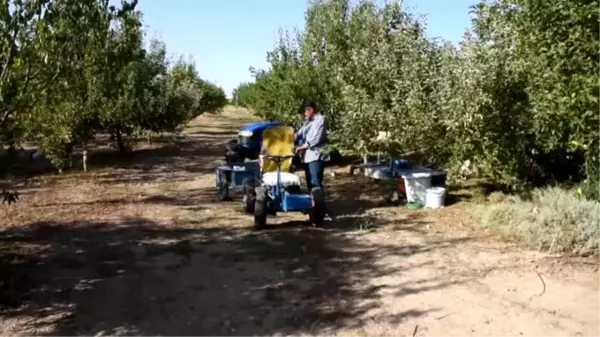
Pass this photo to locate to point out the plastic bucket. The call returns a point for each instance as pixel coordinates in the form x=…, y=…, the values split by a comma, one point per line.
x=378, y=172
x=435, y=197
x=369, y=169
x=416, y=186
x=381, y=173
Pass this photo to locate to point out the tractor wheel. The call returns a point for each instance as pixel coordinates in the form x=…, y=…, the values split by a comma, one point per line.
x=249, y=198
x=260, y=208
x=223, y=187
x=318, y=210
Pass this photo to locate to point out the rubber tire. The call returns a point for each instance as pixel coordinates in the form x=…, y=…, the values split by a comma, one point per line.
x=223, y=187
x=260, y=208
x=249, y=198
x=318, y=210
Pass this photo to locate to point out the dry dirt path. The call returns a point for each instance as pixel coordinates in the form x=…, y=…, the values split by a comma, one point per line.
x=142, y=248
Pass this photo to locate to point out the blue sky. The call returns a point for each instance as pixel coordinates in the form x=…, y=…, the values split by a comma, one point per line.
x=226, y=37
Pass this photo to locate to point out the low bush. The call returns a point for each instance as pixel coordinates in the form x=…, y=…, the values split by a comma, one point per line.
x=551, y=219
x=590, y=187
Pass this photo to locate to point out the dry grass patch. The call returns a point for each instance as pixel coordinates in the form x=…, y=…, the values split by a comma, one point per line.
x=555, y=220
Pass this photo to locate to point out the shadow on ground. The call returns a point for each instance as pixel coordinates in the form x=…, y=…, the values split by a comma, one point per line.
x=139, y=278
x=351, y=199
x=173, y=159
x=190, y=200
x=197, y=154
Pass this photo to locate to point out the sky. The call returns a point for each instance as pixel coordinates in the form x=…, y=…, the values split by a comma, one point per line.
x=226, y=37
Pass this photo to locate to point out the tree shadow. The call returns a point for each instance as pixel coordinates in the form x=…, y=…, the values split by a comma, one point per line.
x=194, y=155
x=197, y=152
x=350, y=198
x=453, y=198
x=185, y=200
x=471, y=190
x=137, y=277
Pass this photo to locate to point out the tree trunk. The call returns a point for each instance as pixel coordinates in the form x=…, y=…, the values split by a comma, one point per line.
x=85, y=157
x=120, y=144
x=12, y=145
x=12, y=150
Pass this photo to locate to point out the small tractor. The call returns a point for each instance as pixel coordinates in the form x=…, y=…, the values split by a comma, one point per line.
x=268, y=183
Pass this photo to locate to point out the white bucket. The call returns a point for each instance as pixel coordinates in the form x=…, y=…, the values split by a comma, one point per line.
x=416, y=187
x=381, y=173
x=435, y=197
x=369, y=169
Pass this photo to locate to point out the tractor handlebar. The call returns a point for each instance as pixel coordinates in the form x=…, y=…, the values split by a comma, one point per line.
x=277, y=159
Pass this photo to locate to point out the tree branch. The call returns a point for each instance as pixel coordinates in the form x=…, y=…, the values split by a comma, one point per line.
x=11, y=54
x=5, y=114
x=27, y=79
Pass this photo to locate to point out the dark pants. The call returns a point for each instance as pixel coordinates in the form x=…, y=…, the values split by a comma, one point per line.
x=314, y=174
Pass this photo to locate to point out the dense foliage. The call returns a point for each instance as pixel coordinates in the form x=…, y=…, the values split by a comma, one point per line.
x=516, y=102
x=73, y=69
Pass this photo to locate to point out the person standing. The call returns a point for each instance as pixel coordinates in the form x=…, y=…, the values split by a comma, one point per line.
x=314, y=136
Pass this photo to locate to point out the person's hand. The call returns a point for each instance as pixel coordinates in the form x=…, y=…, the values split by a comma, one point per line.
x=301, y=148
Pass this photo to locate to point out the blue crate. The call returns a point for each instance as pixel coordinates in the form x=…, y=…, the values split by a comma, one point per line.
x=296, y=202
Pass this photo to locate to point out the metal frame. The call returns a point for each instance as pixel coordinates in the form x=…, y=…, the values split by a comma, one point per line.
x=276, y=193
x=230, y=168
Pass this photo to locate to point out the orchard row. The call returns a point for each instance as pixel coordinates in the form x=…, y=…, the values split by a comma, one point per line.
x=515, y=102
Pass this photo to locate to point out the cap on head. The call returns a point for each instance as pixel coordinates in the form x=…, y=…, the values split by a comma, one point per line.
x=307, y=104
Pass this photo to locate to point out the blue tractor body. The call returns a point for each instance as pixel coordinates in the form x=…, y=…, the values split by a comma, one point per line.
x=250, y=136
x=236, y=169
x=287, y=201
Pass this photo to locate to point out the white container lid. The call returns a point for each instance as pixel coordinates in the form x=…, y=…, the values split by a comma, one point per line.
x=436, y=190
x=417, y=175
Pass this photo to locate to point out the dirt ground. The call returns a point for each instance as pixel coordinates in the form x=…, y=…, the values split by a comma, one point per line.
x=141, y=247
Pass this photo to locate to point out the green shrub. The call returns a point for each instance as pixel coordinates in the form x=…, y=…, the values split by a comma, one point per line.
x=554, y=219
x=590, y=190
